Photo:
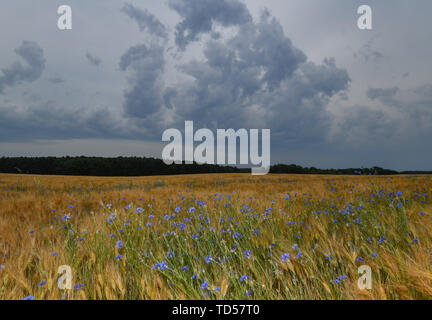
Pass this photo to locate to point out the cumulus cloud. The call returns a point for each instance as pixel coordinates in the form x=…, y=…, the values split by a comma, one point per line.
x=96, y=61
x=258, y=78
x=18, y=73
x=146, y=20
x=199, y=16
x=146, y=64
x=255, y=78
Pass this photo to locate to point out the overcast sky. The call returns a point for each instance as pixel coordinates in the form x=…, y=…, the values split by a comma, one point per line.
x=332, y=95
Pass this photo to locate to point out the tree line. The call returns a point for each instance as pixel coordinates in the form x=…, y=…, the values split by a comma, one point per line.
x=139, y=166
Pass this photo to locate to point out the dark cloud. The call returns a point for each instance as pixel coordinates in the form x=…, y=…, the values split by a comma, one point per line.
x=96, y=61
x=53, y=120
x=199, y=16
x=257, y=79
x=17, y=73
x=254, y=78
x=146, y=64
x=146, y=20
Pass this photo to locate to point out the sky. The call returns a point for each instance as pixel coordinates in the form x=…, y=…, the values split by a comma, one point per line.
x=333, y=96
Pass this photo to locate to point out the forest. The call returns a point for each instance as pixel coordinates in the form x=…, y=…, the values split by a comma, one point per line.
x=140, y=166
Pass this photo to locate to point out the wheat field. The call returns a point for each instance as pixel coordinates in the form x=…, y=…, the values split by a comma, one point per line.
x=223, y=236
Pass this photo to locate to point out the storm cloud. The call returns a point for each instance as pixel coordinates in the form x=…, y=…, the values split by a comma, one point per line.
x=146, y=65
x=145, y=20
x=33, y=68
x=199, y=16
x=256, y=78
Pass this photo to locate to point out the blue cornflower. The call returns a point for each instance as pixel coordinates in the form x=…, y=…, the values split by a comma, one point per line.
x=118, y=257
x=54, y=254
x=374, y=255
x=217, y=289
x=42, y=284
x=119, y=244
x=79, y=286
x=161, y=265
x=415, y=240
x=247, y=254
x=237, y=235
x=299, y=254
x=204, y=285
x=28, y=298
x=244, y=277
x=248, y=293
x=111, y=217
x=185, y=268
x=285, y=257
x=208, y=258
x=329, y=256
